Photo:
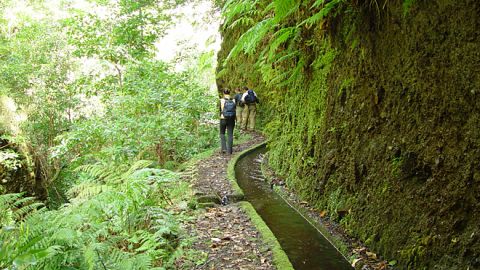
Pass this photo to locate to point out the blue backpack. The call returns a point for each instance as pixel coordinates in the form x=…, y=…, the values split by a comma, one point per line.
x=229, y=109
x=250, y=97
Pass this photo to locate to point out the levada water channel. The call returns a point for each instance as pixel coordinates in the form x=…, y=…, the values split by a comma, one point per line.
x=304, y=245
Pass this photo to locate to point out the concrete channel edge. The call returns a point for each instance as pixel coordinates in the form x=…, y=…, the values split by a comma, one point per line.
x=280, y=258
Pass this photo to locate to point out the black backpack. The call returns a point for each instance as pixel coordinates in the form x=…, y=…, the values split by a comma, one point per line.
x=238, y=99
x=229, y=109
x=250, y=97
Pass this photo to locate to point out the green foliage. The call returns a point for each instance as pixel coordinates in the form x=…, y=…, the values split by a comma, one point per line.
x=126, y=226
x=239, y=12
x=93, y=104
x=127, y=32
x=20, y=245
x=9, y=159
x=282, y=61
x=284, y=8
x=325, y=10
x=396, y=164
x=407, y=5
x=158, y=115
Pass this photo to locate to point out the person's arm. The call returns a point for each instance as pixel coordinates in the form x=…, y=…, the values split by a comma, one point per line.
x=257, y=100
x=221, y=105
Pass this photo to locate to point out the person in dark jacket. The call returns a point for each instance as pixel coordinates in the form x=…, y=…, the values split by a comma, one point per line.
x=227, y=122
x=250, y=99
x=238, y=101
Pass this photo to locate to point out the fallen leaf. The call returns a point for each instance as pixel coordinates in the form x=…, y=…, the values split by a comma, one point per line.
x=371, y=255
x=354, y=262
x=381, y=266
x=392, y=262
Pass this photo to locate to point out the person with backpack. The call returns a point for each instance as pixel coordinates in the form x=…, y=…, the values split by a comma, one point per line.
x=227, y=121
x=240, y=105
x=250, y=99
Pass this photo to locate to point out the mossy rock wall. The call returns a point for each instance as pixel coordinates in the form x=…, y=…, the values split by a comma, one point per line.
x=384, y=122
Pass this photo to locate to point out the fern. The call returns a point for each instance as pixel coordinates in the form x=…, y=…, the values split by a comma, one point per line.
x=234, y=8
x=85, y=191
x=284, y=8
x=26, y=210
x=248, y=42
x=100, y=172
x=96, y=233
x=242, y=21
x=280, y=37
x=140, y=164
x=323, y=13
x=21, y=245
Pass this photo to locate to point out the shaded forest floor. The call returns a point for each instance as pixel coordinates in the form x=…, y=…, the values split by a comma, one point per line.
x=224, y=234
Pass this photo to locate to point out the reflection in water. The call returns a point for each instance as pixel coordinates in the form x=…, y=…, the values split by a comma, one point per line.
x=304, y=245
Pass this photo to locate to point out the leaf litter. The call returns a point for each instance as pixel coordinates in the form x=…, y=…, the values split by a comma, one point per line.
x=223, y=234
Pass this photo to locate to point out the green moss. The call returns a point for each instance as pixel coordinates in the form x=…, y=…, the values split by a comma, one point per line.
x=279, y=257
x=407, y=4
x=374, y=85
x=231, y=175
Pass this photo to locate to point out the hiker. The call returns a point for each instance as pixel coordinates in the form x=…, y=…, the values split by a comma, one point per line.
x=227, y=121
x=240, y=105
x=250, y=99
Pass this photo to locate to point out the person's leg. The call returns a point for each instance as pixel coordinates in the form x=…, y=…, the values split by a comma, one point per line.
x=252, y=111
x=245, y=117
x=239, y=115
x=230, y=127
x=223, y=126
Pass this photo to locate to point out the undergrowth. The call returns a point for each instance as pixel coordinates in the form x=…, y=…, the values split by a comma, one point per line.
x=118, y=218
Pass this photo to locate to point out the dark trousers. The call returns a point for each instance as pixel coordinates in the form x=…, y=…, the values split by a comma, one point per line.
x=227, y=124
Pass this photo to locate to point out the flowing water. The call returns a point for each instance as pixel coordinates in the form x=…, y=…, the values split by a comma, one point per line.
x=304, y=244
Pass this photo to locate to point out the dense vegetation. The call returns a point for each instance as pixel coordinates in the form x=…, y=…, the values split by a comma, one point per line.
x=91, y=126
x=371, y=108
x=372, y=113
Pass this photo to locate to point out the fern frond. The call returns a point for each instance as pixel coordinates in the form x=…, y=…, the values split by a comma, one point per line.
x=6, y=200
x=249, y=40
x=100, y=172
x=222, y=73
x=14, y=208
x=22, y=201
x=142, y=262
x=283, y=8
x=322, y=13
x=280, y=37
x=26, y=210
x=156, y=175
x=296, y=72
x=242, y=21
x=268, y=9
x=287, y=56
x=86, y=190
x=234, y=8
x=140, y=164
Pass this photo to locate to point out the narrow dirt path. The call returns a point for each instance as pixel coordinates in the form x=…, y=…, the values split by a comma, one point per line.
x=224, y=233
